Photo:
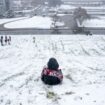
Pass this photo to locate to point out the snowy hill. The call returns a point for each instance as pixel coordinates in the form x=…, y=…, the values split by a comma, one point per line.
x=81, y=59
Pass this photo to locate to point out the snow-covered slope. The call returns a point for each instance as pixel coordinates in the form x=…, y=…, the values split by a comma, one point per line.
x=81, y=59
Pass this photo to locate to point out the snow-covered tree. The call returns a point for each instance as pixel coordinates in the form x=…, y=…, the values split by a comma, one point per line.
x=80, y=14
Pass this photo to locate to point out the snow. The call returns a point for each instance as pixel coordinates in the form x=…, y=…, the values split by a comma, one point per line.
x=95, y=8
x=98, y=22
x=2, y=21
x=81, y=59
x=66, y=7
x=61, y=15
x=34, y=22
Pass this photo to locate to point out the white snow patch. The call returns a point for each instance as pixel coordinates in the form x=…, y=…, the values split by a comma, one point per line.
x=11, y=19
x=99, y=23
x=34, y=22
x=66, y=7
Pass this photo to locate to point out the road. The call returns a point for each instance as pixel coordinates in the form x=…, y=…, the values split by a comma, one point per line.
x=33, y=31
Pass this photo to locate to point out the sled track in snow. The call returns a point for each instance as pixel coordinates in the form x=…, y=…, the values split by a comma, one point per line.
x=3, y=82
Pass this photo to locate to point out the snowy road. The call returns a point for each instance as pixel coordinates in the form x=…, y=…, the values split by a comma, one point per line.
x=81, y=59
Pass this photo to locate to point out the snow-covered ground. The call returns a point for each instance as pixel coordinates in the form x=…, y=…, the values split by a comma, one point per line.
x=81, y=59
x=33, y=22
x=2, y=21
x=98, y=22
x=68, y=7
x=46, y=22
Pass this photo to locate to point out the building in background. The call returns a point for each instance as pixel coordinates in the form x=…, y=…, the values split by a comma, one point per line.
x=8, y=7
x=84, y=2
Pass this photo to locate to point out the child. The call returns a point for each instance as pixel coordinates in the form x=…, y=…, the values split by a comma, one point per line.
x=51, y=74
x=1, y=40
x=6, y=39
